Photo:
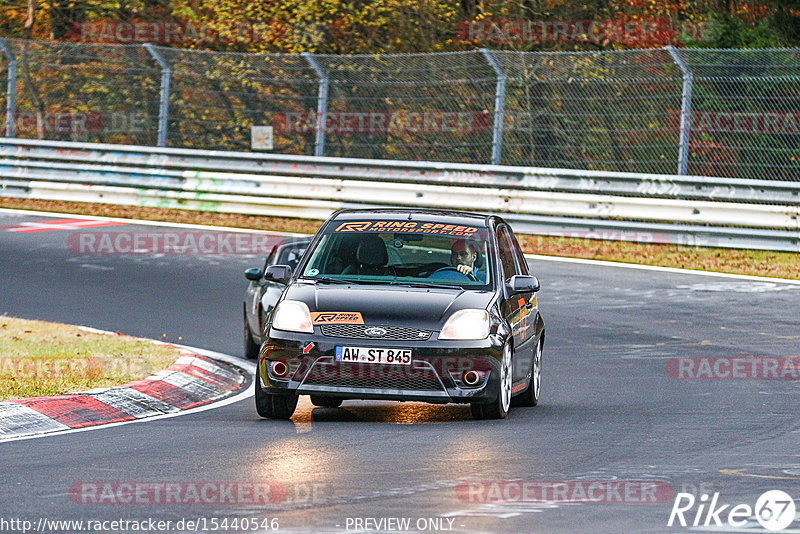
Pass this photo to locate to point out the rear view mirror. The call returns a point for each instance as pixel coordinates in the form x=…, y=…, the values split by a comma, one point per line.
x=408, y=237
x=278, y=273
x=523, y=284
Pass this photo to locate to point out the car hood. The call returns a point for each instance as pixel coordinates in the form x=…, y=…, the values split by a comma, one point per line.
x=390, y=305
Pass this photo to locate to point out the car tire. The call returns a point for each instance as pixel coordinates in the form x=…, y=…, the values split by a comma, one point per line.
x=498, y=409
x=250, y=347
x=530, y=397
x=325, y=402
x=273, y=405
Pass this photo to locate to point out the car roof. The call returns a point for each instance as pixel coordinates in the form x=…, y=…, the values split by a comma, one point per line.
x=294, y=241
x=393, y=214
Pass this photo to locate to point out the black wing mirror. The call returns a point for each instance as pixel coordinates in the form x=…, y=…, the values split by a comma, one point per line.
x=278, y=273
x=522, y=284
x=253, y=274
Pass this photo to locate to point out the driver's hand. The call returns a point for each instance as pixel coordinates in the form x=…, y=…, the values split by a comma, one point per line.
x=464, y=269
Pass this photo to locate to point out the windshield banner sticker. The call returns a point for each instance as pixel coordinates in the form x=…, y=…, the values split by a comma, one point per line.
x=337, y=318
x=408, y=227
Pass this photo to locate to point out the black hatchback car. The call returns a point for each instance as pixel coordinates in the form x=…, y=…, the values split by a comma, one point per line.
x=398, y=304
x=261, y=294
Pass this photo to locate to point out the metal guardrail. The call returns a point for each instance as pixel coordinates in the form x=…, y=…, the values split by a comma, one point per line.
x=690, y=210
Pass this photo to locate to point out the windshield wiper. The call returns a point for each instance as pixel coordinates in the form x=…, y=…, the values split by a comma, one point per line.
x=422, y=284
x=329, y=280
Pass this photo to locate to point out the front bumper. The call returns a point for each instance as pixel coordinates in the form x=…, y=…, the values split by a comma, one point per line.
x=435, y=374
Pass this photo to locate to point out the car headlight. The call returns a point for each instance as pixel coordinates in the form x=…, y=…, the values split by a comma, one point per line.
x=466, y=324
x=292, y=316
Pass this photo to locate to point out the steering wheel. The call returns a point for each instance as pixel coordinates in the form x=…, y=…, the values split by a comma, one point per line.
x=470, y=276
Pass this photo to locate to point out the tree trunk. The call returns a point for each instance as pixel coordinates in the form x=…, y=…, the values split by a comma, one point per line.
x=27, y=28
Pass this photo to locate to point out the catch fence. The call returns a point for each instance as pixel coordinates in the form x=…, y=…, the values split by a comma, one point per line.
x=724, y=113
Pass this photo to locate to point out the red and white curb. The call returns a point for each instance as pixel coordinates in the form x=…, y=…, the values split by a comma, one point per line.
x=193, y=380
x=59, y=224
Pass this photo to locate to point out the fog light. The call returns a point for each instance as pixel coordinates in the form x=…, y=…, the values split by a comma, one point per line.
x=471, y=378
x=279, y=369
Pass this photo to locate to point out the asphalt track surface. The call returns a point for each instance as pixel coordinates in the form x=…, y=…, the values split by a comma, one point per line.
x=610, y=411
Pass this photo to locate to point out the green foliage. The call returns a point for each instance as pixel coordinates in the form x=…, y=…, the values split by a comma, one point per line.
x=731, y=32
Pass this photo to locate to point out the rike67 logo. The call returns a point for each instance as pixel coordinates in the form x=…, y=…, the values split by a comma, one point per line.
x=774, y=510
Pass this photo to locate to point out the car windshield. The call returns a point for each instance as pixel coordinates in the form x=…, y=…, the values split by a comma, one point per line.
x=427, y=253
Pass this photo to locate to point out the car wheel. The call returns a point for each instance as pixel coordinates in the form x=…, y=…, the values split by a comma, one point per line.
x=325, y=402
x=250, y=347
x=498, y=409
x=274, y=406
x=530, y=397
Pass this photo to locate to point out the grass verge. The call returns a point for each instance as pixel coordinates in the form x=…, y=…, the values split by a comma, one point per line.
x=751, y=262
x=40, y=359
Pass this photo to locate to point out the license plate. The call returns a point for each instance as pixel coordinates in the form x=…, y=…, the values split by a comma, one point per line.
x=373, y=355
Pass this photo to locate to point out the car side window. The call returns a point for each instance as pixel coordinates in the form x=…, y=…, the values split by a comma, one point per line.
x=506, y=249
x=522, y=263
x=271, y=257
x=291, y=254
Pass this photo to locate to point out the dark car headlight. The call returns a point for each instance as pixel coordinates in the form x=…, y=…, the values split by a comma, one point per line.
x=466, y=325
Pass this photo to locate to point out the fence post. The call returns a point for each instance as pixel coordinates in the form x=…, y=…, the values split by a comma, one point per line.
x=499, y=106
x=11, y=94
x=686, y=110
x=322, y=103
x=163, y=108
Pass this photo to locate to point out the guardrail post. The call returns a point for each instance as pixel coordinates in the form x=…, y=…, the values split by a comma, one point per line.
x=322, y=103
x=11, y=94
x=499, y=105
x=686, y=109
x=163, y=107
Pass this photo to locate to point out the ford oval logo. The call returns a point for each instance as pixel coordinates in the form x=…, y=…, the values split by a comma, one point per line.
x=375, y=331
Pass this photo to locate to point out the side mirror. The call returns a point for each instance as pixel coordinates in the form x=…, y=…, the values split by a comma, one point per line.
x=253, y=274
x=523, y=284
x=278, y=273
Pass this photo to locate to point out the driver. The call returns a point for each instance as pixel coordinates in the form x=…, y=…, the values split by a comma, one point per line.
x=463, y=255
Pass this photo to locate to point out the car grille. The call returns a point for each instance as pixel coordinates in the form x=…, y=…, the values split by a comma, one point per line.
x=393, y=333
x=374, y=377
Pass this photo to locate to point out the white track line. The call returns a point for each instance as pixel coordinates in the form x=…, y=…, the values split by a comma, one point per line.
x=599, y=263
x=675, y=270
x=148, y=223
x=248, y=366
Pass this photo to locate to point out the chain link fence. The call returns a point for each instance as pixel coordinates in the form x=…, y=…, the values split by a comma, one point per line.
x=80, y=92
x=730, y=113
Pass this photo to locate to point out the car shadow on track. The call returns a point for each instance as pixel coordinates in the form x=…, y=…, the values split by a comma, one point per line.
x=397, y=413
